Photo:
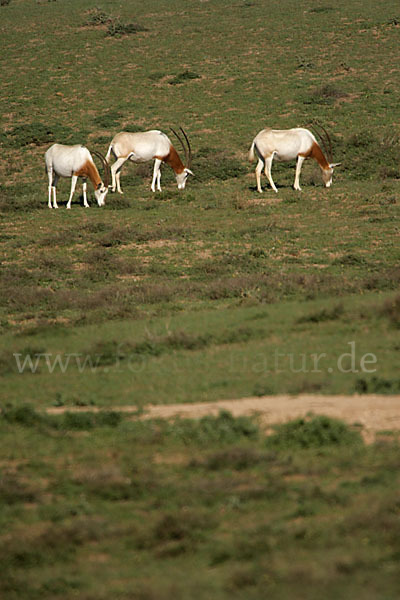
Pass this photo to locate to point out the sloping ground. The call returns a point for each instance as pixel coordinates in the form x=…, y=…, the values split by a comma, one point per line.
x=373, y=412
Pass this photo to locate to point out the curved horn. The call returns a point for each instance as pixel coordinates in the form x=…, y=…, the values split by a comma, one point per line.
x=189, y=158
x=325, y=139
x=327, y=136
x=186, y=150
x=106, y=167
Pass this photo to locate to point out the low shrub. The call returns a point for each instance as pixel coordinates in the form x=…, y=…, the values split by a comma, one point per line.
x=23, y=414
x=224, y=428
x=325, y=314
x=313, y=432
x=212, y=163
x=377, y=385
x=391, y=310
x=116, y=28
x=326, y=94
x=26, y=415
x=108, y=120
x=38, y=134
x=96, y=16
x=183, y=77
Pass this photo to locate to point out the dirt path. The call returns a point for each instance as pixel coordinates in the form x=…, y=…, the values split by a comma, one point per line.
x=375, y=413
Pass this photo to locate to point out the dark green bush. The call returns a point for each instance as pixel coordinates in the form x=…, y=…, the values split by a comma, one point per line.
x=223, y=429
x=212, y=163
x=108, y=120
x=325, y=314
x=39, y=134
x=313, y=432
x=391, y=310
x=82, y=421
x=96, y=16
x=25, y=414
x=116, y=28
x=377, y=385
x=183, y=77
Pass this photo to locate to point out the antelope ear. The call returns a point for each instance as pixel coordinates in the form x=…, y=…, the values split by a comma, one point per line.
x=332, y=165
x=189, y=172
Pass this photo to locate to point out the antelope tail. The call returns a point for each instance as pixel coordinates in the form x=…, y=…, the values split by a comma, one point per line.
x=251, y=152
x=107, y=157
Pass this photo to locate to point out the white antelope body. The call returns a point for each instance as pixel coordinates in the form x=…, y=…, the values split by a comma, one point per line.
x=144, y=146
x=290, y=144
x=75, y=161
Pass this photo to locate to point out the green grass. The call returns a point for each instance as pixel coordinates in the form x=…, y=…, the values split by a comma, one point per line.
x=216, y=292
x=178, y=276
x=233, y=282
x=205, y=509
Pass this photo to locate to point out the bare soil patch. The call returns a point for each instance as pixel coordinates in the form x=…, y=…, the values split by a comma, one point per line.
x=374, y=413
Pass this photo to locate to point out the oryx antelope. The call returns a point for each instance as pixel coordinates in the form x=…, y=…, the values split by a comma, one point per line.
x=143, y=146
x=75, y=161
x=290, y=144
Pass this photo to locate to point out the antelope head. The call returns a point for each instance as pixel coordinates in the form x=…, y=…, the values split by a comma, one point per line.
x=102, y=188
x=181, y=177
x=326, y=142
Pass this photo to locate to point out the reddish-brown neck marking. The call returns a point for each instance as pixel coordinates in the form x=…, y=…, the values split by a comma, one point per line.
x=319, y=156
x=172, y=159
x=89, y=170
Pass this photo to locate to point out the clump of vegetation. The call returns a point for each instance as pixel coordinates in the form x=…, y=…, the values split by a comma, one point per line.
x=96, y=16
x=313, y=432
x=114, y=26
x=362, y=139
x=377, y=385
x=4, y=2
x=326, y=94
x=321, y=9
x=391, y=310
x=38, y=134
x=304, y=63
x=212, y=163
x=108, y=120
x=224, y=428
x=183, y=77
x=27, y=416
x=325, y=314
x=372, y=152
x=350, y=259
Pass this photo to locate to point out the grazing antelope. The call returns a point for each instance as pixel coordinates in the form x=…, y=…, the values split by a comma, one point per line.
x=288, y=144
x=149, y=145
x=75, y=161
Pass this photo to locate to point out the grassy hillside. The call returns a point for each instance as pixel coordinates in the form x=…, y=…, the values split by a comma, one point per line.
x=216, y=292
x=194, y=295
x=101, y=506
